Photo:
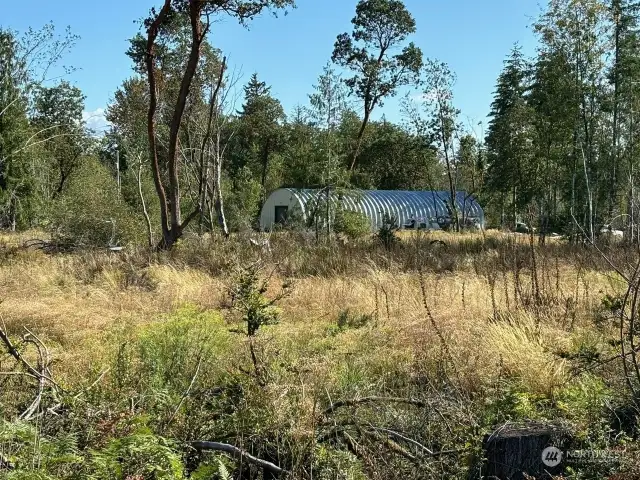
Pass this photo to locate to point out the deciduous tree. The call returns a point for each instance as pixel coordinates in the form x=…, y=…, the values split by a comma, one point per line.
x=380, y=28
x=199, y=14
x=438, y=98
x=58, y=116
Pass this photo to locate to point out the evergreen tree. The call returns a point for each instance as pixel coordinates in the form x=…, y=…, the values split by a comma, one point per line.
x=300, y=165
x=328, y=104
x=511, y=174
x=252, y=90
x=576, y=30
x=624, y=77
x=553, y=101
x=470, y=164
x=261, y=134
x=380, y=27
x=16, y=183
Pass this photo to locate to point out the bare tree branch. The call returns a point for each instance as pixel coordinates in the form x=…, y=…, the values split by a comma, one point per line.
x=238, y=453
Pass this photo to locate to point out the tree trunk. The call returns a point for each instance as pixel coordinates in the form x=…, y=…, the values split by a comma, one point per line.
x=170, y=215
x=197, y=37
x=144, y=206
x=452, y=183
x=363, y=127
x=60, y=187
x=514, y=205
x=218, y=197
x=14, y=212
x=204, y=159
x=630, y=211
x=328, y=212
x=152, y=34
x=512, y=452
x=616, y=108
x=265, y=165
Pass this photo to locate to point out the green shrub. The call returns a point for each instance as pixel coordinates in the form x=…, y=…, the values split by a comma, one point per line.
x=164, y=356
x=584, y=402
x=175, y=372
x=90, y=211
x=331, y=464
x=131, y=192
x=348, y=320
x=57, y=457
x=208, y=471
x=513, y=404
x=352, y=224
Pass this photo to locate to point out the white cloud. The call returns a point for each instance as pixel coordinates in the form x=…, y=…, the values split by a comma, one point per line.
x=96, y=121
x=424, y=97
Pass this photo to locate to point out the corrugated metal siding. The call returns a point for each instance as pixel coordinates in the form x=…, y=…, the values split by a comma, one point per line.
x=402, y=204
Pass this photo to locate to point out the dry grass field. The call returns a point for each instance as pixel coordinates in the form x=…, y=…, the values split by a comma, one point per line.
x=485, y=330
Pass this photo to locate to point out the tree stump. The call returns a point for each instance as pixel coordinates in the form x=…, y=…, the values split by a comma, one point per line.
x=513, y=451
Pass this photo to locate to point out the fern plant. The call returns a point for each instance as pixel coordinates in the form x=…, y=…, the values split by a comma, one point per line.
x=141, y=455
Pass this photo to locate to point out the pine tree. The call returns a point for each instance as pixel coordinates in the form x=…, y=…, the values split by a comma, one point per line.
x=15, y=181
x=511, y=172
x=261, y=119
x=253, y=90
x=556, y=108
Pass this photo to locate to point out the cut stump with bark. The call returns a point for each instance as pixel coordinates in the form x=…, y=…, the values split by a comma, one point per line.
x=513, y=451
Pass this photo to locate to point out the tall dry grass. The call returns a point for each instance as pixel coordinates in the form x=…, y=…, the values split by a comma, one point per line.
x=462, y=324
x=477, y=294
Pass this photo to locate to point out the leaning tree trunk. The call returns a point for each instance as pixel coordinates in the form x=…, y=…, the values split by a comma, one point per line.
x=214, y=114
x=359, y=138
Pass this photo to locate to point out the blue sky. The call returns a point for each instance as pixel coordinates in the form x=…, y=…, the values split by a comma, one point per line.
x=288, y=52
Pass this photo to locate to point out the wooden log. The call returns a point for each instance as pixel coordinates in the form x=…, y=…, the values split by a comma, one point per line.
x=532, y=449
x=240, y=454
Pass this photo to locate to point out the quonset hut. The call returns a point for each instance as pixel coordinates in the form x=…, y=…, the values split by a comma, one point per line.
x=411, y=209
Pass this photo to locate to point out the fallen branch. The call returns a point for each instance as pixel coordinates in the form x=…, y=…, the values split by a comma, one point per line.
x=17, y=374
x=100, y=377
x=49, y=246
x=602, y=363
x=399, y=436
x=393, y=446
x=42, y=375
x=238, y=453
x=339, y=430
x=13, y=351
x=360, y=401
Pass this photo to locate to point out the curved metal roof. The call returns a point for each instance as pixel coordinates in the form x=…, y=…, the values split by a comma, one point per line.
x=404, y=205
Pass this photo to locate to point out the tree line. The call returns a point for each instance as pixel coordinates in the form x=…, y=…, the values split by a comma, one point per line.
x=562, y=144
x=193, y=150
